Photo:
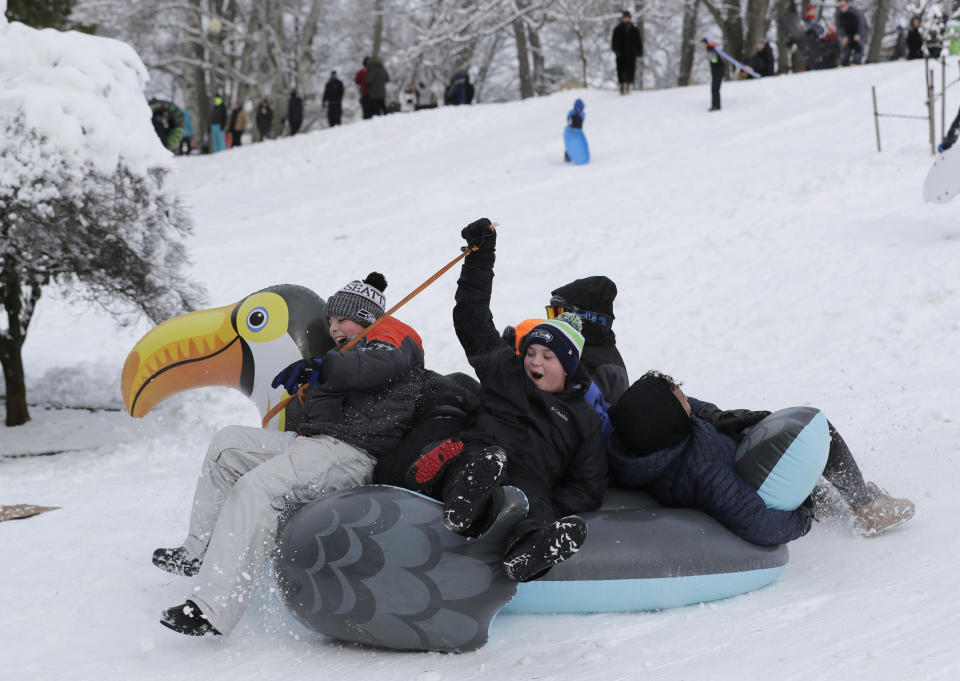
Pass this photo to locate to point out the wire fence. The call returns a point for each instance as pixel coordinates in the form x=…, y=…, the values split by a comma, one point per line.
x=932, y=98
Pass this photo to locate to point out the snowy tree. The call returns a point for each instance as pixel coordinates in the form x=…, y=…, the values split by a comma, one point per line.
x=40, y=13
x=86, y=199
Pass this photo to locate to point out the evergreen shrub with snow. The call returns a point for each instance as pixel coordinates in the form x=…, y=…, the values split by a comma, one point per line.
x=86, y=194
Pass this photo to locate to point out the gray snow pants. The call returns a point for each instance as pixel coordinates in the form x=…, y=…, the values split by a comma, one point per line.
x=249, y=476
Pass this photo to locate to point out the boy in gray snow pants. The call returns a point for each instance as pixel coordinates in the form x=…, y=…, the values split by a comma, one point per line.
x=358, y=407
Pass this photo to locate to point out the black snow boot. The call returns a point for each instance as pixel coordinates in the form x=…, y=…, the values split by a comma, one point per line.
x=535, y=553
x=427, y=471
x=187, y=619
x=176, y=561
x=468, y=489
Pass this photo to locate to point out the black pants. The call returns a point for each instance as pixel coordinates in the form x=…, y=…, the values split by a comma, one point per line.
x=334, y=111
x=235, y=138
x=852, y=51
x=843, y=472
x=378, y=107
x=626, y=69
x=365, y=106
x=716, y=79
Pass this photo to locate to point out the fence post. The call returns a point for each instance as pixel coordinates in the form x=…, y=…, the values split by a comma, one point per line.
x=876, y=116
x=943, y=94
x=931, y=114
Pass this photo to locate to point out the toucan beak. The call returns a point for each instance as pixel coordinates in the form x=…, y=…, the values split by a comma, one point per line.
x=195, y=349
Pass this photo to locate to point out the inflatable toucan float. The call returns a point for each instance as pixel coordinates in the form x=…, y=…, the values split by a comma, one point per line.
x=241, y=346
x=375, y=565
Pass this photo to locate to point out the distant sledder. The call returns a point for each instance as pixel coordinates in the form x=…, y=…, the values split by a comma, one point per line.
x=575, y=145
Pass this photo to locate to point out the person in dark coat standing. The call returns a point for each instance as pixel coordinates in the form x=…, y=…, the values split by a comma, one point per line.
x=218, y=124
x=914, y=40
x=377, y=79
x=333, y=99
x=762, y=60
x=627, y=45
x=294, y=112
x=681, y=451
x=264, y=120
x=900, y=47
x=531, y=428
x=851, y=29
x=716, y=72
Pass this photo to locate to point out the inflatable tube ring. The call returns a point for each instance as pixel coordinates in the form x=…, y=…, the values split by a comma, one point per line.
x=783, y=456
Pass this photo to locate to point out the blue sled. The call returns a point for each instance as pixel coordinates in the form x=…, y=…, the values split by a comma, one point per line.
x=575, y=143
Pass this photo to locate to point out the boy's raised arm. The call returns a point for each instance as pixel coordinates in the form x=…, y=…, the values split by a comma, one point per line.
x=472, y=318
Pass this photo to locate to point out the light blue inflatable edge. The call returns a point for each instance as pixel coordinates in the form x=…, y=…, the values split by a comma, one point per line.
x=630, y=595
x=797, y=471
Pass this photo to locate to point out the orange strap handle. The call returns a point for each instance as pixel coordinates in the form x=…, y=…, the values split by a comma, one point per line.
x=301, y=393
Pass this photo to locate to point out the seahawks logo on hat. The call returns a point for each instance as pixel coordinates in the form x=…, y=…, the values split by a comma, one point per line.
x=366, y=316
x=540, y=332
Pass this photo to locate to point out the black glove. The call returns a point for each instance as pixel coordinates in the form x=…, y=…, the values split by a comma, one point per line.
x=296, y=374
x=509, y=336
x=733, y=422
x=480, y=233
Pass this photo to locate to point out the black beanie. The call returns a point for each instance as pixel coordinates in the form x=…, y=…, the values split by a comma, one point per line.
x=649, y=417
x=595, y=294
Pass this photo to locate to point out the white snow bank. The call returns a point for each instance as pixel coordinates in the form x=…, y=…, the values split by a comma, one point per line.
x=83, y=93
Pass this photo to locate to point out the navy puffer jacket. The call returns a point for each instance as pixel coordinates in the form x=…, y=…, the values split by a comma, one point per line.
x=699, y=473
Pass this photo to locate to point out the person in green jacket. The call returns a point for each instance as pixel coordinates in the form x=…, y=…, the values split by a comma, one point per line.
x=167, y=122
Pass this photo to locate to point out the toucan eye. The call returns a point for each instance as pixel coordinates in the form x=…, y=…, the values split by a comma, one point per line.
x=262, y=317
x=257, y=318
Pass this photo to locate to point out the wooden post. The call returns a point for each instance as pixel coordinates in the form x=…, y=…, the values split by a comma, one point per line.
x=876, y=116
x=931, y=113
x=943, y=94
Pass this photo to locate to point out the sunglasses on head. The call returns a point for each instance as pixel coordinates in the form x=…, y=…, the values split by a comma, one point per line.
x=554, y=311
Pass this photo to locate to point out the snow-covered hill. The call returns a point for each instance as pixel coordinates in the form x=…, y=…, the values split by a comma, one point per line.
x=767, y=255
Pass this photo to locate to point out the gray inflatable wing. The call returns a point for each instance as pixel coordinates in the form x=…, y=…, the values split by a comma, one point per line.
x=375, y=565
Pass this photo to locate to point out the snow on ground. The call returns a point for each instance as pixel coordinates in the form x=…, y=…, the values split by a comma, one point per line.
x=767, y=255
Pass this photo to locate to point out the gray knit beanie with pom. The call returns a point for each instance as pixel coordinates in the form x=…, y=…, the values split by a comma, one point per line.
x=360, y=301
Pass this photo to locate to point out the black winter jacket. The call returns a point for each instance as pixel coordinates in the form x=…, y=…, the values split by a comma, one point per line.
x=626, y=41
x=218, y=116
x=333, y=91
x=762, y=61
x=552, y=440
x=368, y=395
x=699, y=473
